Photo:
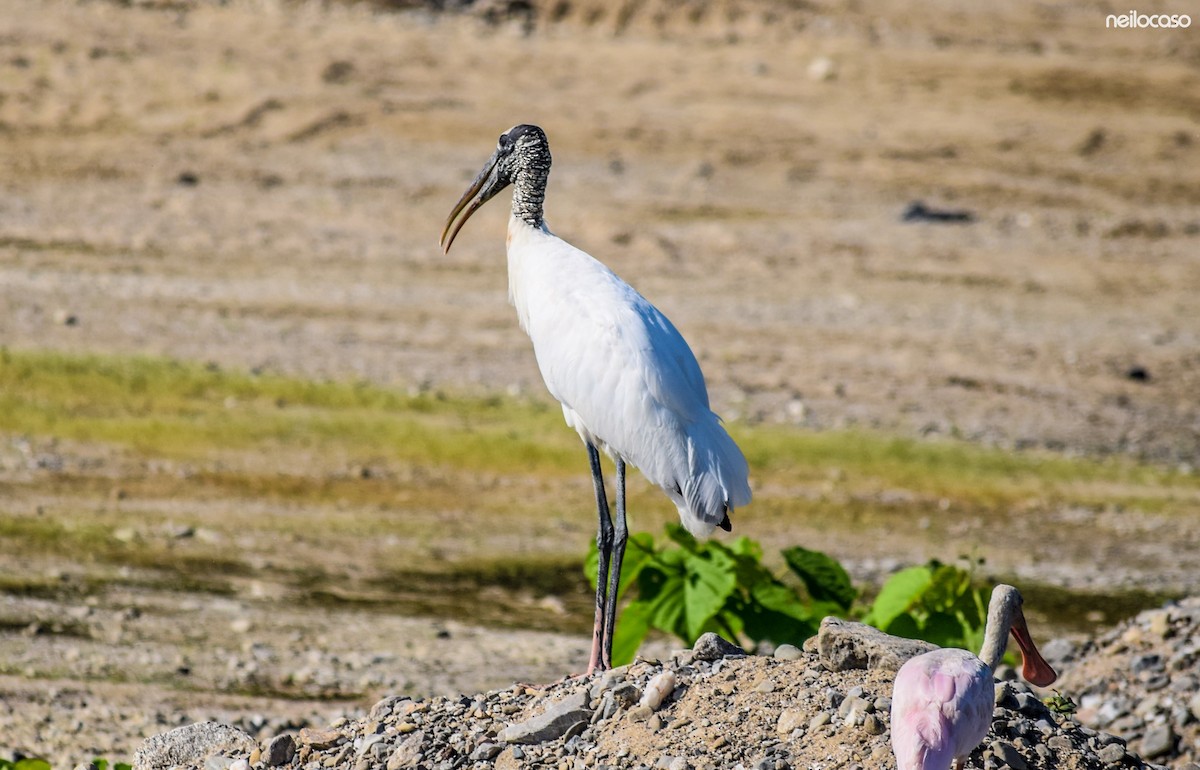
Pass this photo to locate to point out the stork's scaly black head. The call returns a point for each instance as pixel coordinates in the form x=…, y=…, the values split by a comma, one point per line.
x=522, y=159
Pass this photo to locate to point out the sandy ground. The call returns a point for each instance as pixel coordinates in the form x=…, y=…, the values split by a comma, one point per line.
x=261, y=185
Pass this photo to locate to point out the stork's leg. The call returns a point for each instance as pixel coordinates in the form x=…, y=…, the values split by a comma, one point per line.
x=621, y=536
x=604, y=543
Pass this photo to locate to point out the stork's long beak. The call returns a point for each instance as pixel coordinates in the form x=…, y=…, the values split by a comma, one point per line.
x=485, y=186
x=1034, y=667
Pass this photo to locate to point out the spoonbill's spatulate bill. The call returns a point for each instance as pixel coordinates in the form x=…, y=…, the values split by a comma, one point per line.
x=626, y=379
x=942, y=701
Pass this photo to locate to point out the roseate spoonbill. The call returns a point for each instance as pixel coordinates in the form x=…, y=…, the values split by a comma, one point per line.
x=942, y=701
x=627, y=381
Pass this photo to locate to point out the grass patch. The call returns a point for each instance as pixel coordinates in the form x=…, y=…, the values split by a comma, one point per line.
x=364, y=477
x=173, y=409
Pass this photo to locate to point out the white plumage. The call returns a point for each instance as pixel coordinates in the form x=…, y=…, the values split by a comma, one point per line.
x=626, y=379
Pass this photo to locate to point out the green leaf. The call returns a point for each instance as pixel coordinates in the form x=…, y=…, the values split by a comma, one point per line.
x=903, y=625
x=31, y=763
x=777, y=614
x=710, y=582
x=897, y=595
x=632, y=627
x=681, y=536
x=744, y=546
x=823, y=576
x=100, y=763
x=779, y=598
x=639, y=551
x=942, y=629
x=665, y=594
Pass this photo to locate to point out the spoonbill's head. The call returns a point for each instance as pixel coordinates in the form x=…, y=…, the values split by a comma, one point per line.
x=522, y=157
x=1034, y=667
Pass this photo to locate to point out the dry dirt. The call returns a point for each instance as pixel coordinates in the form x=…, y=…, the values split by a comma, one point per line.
x=261, y=184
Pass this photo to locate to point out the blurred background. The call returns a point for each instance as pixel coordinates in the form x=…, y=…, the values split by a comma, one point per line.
x=266, y=454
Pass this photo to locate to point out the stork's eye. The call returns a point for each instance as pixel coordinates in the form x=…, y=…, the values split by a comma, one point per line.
x=504, y=142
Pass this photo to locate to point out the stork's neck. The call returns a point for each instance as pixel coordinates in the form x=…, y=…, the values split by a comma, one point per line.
x=529, y=191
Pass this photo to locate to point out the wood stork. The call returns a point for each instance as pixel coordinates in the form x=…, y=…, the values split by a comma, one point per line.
x=942, y=701
x=626, y=379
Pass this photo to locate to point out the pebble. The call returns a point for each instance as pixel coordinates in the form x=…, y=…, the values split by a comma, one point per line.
x=1158, y=741
x=1008, y=755
x=280, y=750
x=788, y=652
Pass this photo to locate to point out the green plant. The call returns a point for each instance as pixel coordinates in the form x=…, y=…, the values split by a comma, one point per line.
x=697, y=586
x=1060, y=704
x=28, y=763
x=937, y=602
x=33, y=763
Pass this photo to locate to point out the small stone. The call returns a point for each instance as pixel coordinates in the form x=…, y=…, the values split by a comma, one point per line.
x=318, y=739
x=640, y=713
x=788, y=652
x=553, y=723
x=1160, y=624
x=280, y=750
x=486, y=751
x=1059, y=742
x=712, y=647
x=1158, y=741
x=658, y=689
x=1111, y=754
x=1008, y=755
x=854, y=706
x=65, y=318
x=873, y=724
x=626, y=694
x=819, y=720
x=789, y=720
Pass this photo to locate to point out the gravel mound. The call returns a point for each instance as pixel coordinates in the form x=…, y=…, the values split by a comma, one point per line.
x=794, y=709
x=1140, y=681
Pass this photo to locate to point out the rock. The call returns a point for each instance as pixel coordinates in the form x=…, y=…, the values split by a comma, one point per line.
x=1158, y=741
x=1008, y=755
x=844, y=645
x=486, y=751
x=280, y=750
x=789, y=720
x=384, y=708
x=712, y=647
x=873, y=724
x=854, y=707
x=788, y=652
x=658, y=690
x=409, y=752
x=189, y=746
x=1111, y=754
x=553, y=723
x=318, y=739
x=626, y=694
